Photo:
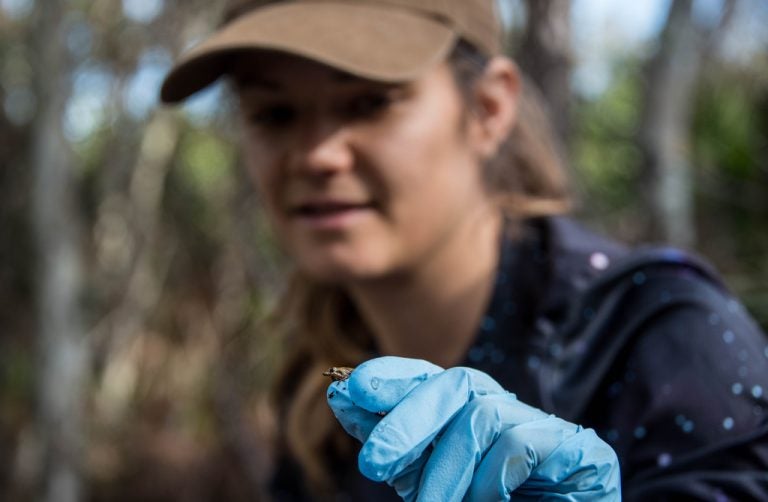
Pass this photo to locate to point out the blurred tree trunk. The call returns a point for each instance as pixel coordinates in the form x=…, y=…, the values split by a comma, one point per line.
x=545, y=56
x=63, y=352
x=671, y=79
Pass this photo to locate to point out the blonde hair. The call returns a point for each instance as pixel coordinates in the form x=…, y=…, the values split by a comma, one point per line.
x=321, y=324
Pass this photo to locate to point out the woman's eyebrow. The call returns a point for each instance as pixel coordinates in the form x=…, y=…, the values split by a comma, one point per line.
x=347, y=78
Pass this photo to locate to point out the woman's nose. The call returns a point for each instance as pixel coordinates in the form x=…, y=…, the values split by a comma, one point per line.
x=324, y=149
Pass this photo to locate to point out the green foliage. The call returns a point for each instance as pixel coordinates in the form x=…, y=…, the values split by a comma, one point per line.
x=730, y=137
x=206, y=164
x=729, y=125
x=202, y=184
x=605, y=156
x=17, y=376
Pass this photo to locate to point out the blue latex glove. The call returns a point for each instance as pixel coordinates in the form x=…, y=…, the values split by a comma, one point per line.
x=444, y=435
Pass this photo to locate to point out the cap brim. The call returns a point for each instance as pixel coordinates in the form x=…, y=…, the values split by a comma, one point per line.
x=370, y=41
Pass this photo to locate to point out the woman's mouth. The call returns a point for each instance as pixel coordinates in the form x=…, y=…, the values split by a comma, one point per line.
x=331, y=215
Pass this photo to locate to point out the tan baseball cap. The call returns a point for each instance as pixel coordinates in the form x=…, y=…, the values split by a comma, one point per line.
x=385, y=40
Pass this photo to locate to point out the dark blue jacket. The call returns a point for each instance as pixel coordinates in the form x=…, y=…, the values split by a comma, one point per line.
x=646, y=346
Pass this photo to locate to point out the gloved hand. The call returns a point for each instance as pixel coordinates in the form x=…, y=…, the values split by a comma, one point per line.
x=444, y=435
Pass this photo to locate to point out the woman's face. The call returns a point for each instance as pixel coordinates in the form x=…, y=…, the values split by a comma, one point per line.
x=361, y=180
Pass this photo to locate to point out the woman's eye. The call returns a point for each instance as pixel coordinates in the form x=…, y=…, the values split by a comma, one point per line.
x=367, y=105
x=273, y=116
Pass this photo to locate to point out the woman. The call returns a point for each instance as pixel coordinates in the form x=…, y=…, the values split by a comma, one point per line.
x=414, y=186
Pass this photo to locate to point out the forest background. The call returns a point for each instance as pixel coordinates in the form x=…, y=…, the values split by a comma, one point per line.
x=136, y=270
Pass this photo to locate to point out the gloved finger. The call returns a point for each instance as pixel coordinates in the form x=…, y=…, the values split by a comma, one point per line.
x=476, y=429
x=355, y=420
x=403, y=434
x=359, y=415
x=377, y=385
x=514, y=456
x=581, y=468
x=406, y=484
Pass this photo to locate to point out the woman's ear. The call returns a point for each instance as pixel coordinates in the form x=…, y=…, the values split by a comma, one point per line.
x=494, y=113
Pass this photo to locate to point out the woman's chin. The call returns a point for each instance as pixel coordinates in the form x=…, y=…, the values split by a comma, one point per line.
x=340, y=271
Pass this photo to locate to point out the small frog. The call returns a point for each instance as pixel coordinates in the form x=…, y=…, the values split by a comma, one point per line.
x=338, y=373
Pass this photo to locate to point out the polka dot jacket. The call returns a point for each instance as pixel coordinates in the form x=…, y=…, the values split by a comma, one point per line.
x=646, y=346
